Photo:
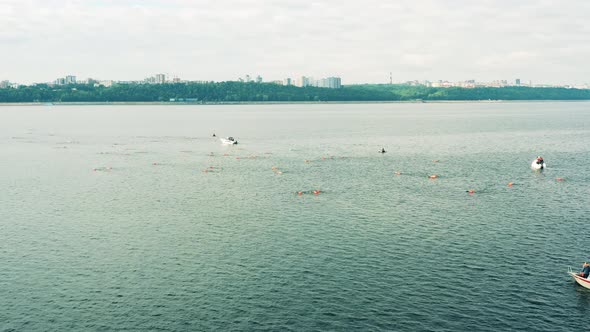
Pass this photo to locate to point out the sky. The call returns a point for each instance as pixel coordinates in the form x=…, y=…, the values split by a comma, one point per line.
x=543, y=41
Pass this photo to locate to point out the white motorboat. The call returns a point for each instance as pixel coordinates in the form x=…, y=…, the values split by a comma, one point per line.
x=536, y=165
x=228, y=141
x=584, y=282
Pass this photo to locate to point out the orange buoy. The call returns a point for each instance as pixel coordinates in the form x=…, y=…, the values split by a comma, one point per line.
x=433, y=176
x=300, y=193
x=510, y=184
x=471, y=191
x=316, y=192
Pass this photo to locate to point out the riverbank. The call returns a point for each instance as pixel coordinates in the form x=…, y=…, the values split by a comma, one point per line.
x=286, y=102
x=232, y=93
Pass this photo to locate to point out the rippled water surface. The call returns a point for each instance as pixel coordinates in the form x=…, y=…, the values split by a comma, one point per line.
x=135, y=218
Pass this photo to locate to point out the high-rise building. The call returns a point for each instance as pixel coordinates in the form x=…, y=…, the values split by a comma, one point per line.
x=333, y=83
x=287, y=81
x=4, y=84
x=304, y=81
x=160, y=78
x=517, y=81
x=70, y=79
x=258, y=79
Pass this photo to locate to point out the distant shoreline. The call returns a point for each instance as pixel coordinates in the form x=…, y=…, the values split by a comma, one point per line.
x=236, y=93
x=285, y=102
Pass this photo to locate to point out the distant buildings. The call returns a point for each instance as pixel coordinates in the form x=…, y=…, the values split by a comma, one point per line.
x=106, y=84
x=70, y=79
x=304, y=81
x=475, y=84
x=332, y=82
x=329, y=82
x=156, y=79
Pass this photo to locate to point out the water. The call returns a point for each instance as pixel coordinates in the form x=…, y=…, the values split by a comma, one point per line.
x=135, y=218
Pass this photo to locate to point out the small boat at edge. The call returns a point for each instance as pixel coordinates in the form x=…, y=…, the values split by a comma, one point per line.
x=228, y=141
x=584, y=282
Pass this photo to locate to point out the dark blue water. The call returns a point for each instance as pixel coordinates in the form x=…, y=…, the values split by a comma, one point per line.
x=135, y=218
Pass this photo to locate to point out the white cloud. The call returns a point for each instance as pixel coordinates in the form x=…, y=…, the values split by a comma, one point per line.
x=362, y=42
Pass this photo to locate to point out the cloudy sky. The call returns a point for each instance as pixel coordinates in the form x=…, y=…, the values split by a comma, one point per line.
x=546, y=41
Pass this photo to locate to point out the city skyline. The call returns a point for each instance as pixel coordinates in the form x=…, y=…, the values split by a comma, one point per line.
x=299, y=81
x=545, y=41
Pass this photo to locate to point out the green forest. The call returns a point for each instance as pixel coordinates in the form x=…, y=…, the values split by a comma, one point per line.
x=230, y=92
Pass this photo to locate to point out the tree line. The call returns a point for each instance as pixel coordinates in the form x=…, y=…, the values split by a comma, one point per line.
x=228, y=92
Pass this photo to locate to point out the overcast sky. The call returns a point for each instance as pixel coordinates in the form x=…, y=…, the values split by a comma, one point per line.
x=546, y=41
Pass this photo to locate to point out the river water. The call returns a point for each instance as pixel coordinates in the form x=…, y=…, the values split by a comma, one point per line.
x=136, y=218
